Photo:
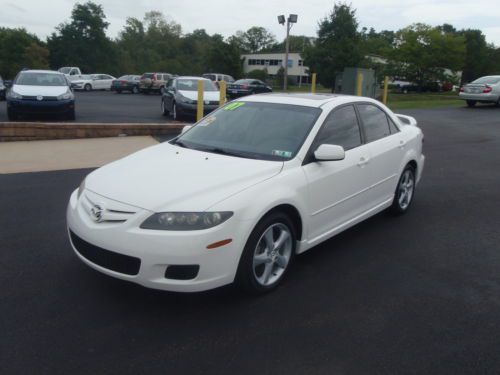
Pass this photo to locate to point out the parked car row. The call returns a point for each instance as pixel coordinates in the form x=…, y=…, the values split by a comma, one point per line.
x=482, y=90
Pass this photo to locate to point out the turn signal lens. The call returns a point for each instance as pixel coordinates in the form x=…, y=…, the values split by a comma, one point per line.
x=219, y=244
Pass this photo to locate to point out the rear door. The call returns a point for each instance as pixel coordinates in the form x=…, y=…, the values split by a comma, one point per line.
x=386, y=146
x=338, y=190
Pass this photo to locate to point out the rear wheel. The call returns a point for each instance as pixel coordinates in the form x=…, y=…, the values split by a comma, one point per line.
x=404, y=191
x=268, y=254
x=87, y=87
x=135, y=90
x=471, y=103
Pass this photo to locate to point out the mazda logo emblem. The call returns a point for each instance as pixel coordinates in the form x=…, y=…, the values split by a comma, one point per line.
x=39, y=97
x=96, y=213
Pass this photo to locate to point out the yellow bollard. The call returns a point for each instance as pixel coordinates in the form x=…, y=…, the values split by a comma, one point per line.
x=359, y=88
x=199, y=112
x=222, y=96
x=386, y=89
x=313, y=83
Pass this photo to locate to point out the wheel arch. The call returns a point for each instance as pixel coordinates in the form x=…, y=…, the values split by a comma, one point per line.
x=293, y=213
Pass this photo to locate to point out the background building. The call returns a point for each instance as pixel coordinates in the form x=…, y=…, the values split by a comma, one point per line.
x=274, y=61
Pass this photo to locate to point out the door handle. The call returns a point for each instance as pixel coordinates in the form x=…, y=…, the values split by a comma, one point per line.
x=363, y=161
x=402, y=144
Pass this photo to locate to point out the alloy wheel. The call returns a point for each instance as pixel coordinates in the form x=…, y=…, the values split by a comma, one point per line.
x=405, y=189
x=272, y=254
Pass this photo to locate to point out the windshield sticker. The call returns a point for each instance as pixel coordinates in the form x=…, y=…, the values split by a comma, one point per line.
x=233, y=106
x=283, y=154
x=207, y=121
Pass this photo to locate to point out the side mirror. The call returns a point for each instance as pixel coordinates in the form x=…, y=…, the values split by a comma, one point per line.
x=185, y=128
x=327, y=152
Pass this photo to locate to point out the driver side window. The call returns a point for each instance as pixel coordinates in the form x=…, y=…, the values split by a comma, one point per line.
x=340, y=128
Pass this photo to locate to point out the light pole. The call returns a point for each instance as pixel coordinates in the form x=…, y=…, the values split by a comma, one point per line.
x=292, y=18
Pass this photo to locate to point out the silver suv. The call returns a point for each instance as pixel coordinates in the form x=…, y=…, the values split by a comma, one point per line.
x=482, y=90
x=217, y=77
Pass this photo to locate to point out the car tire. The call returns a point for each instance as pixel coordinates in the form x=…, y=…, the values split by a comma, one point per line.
x=11, y=115
x=268, y=254
x=162, y=90
x=135, y=90
x=164, y=110
x=471, y=103
x=87, y=87
x=405, y=191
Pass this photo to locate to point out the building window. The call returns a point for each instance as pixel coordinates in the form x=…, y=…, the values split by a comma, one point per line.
x=301, y=62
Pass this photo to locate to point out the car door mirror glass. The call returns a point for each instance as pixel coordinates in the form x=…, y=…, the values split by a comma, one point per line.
x=327, y=152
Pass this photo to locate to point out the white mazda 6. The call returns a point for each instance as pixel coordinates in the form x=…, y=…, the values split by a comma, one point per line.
x=235, y=197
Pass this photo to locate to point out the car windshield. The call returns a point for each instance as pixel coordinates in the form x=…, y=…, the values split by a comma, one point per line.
x=41, y=79
x=192, y=85
x=266, y=131
x=148, y=75
x=490, y=80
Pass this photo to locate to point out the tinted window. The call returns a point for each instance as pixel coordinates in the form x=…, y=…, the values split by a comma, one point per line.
x=392, y=126
x=341, y=128
x=266, y=131
x=374, y=121
x=492, y=80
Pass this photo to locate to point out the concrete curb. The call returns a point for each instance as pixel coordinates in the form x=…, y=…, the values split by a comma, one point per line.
x=36, y=131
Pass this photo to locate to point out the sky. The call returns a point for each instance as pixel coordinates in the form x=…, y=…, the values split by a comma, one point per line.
x=226, y=17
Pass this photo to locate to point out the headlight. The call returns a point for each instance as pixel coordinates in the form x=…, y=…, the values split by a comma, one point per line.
x=11, y=94
x=187, y=100
x=66, y=96
x=81, y=188
x=185, y=220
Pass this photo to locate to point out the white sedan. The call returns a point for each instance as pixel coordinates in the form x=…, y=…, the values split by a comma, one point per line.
x=235, y=197
x=91, y=82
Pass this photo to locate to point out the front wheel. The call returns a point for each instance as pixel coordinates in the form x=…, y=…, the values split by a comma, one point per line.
x=164, y=109
x=471, y=103
x=404, y=191
x=268, y=254
x=135, y=90
x=87, y=87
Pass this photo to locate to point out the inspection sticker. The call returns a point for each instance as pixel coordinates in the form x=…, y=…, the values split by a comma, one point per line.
x=283, y=154
x=233, y=106
x=207, y=121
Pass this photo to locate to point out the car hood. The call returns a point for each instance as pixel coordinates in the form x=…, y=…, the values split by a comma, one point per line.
x=39, y=90
x=170, y=178
x=207, y=95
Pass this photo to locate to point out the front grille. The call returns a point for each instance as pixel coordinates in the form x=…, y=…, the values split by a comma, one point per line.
x=45, y=98
x=213, y=103
x=108, y=259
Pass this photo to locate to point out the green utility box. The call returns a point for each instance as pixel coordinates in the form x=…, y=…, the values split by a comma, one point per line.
x=347, y=82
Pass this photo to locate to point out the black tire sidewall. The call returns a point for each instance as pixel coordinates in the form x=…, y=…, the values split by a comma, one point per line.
x=396, y=208
x=245, y=277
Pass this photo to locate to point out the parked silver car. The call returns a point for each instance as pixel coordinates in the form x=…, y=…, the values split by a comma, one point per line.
x=482, y=90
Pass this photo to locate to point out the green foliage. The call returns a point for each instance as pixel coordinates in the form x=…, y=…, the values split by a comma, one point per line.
x=423, y=52
x=255, y=39
x=20, y=49
x=337, y=46
x=83, y=42
x=258, y=74
x=477, y=56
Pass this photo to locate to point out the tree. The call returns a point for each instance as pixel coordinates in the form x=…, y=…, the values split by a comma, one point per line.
x=424, y=53
x=255, y=39
x=477, y=61
x=20, y=49
x=83, y=42
x=337, y=45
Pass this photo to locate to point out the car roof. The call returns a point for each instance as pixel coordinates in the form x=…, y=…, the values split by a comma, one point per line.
x=305, y=99
x=40, y=71
x=192, y=77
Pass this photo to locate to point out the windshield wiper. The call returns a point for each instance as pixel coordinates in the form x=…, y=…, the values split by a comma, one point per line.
x=221, y=151
x=180, y=144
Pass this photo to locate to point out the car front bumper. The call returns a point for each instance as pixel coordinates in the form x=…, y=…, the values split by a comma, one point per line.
x=157, y=249
x=192, y=109
x=480, y=97
x=237, y=93
x=40, y=106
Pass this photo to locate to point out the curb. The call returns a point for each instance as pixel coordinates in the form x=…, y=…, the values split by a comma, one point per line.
x=37, y=131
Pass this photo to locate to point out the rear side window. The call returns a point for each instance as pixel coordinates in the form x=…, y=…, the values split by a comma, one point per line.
x=341, y=128
x=374, y=121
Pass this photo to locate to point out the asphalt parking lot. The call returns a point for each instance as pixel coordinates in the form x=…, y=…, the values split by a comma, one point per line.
x=105, y=106
x=418, y=294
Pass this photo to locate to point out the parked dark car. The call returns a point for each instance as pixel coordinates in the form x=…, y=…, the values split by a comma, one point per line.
x=3, y=89
x=126, y=83
x=38, y=92
x=244, y=87
x=426, y=87
x=181, y=97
